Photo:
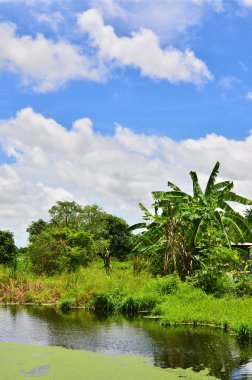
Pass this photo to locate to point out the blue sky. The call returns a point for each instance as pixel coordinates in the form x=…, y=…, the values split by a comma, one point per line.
x=105, y=100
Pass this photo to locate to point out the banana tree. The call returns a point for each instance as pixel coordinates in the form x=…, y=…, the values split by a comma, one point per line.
x=181, y=221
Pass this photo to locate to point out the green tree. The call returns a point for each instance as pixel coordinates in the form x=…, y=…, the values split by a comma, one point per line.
x=36, y=228
x=109, y=232
x=66, y=214
x=119, y=236
x=55, y=251
x=8, y=249
x=182, y=225
x=74, y=236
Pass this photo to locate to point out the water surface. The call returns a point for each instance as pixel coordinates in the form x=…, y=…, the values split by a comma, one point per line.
x=183, y=347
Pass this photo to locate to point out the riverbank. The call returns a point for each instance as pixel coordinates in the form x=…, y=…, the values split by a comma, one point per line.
x=123, y=292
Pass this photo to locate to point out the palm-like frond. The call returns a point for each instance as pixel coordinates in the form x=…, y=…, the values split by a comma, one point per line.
x=137, y=226
x=197, y=191
x=238, y=198
x=212, y=178
x=147, y=213
x=219, y=218
x=174, y=187
x=234, y=231
x=242, y=225
x=220, y=185
x=202, y=227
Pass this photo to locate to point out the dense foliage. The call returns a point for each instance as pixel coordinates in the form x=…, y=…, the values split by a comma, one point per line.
x=74, y=236
x=192, y=234
x=8, y=250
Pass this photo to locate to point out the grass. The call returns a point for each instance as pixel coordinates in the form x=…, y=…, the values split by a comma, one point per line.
x=124, y=292
x=80, y=288
x=25, y=361
x=190, y=305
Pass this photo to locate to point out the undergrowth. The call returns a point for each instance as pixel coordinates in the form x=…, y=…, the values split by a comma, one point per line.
x=124, y=292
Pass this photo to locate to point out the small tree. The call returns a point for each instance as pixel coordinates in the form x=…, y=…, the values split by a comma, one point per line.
x=55, y=251
x=119, y=236
x=36, y=228
x=8, y=249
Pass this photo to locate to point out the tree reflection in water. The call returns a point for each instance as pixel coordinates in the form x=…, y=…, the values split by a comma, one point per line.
x=166, y=347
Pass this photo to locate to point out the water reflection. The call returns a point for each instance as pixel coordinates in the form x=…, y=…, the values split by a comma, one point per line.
x=173, y=347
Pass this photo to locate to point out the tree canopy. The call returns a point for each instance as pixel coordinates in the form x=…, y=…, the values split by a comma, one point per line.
x=8, y=249
x=74, y=235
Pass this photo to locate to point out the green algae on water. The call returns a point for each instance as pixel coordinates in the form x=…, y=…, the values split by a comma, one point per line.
x=20, y=361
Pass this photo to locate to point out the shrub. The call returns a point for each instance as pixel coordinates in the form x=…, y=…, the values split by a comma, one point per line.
x=64, y=305
x=214, y=283
x=134, y=304
x=103, y=303
x=244, y=332
x=243, y=286
x=168, y=284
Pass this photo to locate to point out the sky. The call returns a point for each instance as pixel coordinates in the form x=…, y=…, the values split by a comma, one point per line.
x=105, y=101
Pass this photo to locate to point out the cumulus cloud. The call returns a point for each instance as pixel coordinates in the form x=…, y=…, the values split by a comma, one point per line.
x=46, y=65
x=169, y=19
x=117, y=172
x=41, y=62
x=142, y=50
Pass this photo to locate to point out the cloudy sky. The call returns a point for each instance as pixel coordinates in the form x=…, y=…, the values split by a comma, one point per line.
x=104, y=101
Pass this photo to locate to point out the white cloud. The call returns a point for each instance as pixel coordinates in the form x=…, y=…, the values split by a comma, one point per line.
x=52, y=19
x=246, y=3
x=228, y=82
x=111, y=8
x=117, y=172
x=249, y=95
x=29, y=2
x=168, y=19
x=142, y=51
x=41, y=62
x=45, y=65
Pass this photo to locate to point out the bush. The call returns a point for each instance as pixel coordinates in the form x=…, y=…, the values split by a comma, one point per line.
x=214, y=283
x=244, y=333
x=157, y=264
x=60, y=250
x=103, y=303
x=243, y=286
x=168, y=284
x=65, y=305
x=134, y=304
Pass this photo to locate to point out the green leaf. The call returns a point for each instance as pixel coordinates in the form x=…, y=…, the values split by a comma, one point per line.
x=172, y=186
x=212, y=178
x=197, y=192
x=237, y=198
x=137, y=226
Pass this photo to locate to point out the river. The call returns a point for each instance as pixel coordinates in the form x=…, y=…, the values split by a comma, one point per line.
x=183, y=347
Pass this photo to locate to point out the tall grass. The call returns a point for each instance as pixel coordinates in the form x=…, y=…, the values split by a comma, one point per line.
x=192, y=306
x=123, y=292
